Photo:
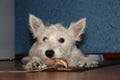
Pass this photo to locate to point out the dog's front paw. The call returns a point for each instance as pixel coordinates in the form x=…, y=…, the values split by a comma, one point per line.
x=35, y=64
x=86, y=62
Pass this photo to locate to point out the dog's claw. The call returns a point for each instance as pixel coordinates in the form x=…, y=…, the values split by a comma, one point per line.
x=42, y=67
x=35, y=64
x=86, y=62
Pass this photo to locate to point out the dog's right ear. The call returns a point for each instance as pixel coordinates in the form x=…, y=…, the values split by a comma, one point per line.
x=35, y=23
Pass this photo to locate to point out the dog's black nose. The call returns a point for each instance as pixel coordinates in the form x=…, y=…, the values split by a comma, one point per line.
x=49, y=53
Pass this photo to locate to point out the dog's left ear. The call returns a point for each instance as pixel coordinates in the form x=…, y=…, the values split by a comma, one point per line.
x=77, y=28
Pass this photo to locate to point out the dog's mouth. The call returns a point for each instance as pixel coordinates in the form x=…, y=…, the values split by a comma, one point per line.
x=49, y=62
x=58, y=62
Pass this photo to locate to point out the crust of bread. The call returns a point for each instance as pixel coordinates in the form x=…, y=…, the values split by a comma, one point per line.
x=61, y=62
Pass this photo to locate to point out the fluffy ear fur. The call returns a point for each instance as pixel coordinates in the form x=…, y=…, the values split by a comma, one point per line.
x=35, y=24
x=77, y=28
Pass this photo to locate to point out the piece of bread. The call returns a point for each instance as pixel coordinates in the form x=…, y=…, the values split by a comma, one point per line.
x=60, y=62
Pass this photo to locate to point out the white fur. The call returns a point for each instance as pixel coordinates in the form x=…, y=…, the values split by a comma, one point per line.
x=47, y=38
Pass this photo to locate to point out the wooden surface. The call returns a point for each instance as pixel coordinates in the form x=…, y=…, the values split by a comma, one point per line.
x=104, y=73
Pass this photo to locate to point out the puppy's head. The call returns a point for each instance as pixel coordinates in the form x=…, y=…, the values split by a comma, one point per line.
x=55, y=40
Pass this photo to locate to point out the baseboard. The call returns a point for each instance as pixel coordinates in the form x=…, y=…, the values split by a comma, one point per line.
x=20, y=56
x=106, y=56
x=111, y=56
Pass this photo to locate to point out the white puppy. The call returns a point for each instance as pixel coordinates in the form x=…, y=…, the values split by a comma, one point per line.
x=56, y=41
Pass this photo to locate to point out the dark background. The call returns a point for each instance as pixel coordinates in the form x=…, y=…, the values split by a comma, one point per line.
x=102, y=34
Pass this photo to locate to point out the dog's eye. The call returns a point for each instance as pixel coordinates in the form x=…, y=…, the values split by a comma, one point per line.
x=61, y=40
x=44, y=39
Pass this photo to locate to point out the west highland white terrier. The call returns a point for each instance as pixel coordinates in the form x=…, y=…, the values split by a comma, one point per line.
x=56, y=41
